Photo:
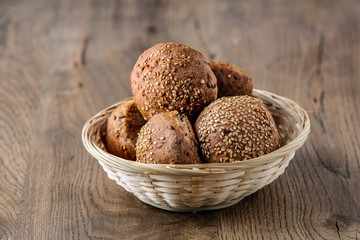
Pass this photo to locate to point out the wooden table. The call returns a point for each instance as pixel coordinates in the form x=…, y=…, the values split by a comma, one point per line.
x=63, y=61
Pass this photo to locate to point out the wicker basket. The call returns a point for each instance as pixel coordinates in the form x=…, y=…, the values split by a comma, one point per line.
x=196, y=187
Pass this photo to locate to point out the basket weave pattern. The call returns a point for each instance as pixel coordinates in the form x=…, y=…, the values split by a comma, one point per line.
x=196, y=187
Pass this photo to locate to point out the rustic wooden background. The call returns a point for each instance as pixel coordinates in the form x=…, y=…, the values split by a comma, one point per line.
x=63, y=61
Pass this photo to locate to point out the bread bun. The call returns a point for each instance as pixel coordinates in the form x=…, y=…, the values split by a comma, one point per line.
x=232, y=80
x=122, y=129
x=167, y=138
x=172, y=76
x=235, y=129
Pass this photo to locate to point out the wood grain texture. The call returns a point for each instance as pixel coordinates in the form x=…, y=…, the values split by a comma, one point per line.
x=63, y=61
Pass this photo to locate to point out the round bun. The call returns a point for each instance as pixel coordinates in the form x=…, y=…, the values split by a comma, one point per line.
x=232, y=80
x=172, y=76
x=122, y=130
x=235, y=129
x=167, y=138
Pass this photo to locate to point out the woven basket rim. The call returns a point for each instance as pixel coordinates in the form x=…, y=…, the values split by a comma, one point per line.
x=169, y=169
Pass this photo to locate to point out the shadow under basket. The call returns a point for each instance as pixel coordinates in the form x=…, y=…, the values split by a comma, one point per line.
x=208, y=186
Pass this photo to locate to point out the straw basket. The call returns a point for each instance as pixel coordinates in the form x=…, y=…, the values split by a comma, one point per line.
x=196, y=187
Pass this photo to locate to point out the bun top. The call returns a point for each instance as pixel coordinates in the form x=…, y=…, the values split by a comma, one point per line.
x=236, y=128
x=167, y=138
x=123, y=126
x=232, y=80
x=172, y=76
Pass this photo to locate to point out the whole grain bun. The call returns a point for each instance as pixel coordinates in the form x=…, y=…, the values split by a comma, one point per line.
x=167, y=138
x=122, y=129
x=235, y=129
x=232, y=80
x=172, y=76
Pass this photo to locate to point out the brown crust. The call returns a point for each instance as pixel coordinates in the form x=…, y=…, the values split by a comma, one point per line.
x=172, y=76
x=236, y=128
x=167, y=138
x=122, y=130
x=232, y=80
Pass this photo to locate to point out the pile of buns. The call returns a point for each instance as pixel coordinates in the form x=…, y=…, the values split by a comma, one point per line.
x=187, y=110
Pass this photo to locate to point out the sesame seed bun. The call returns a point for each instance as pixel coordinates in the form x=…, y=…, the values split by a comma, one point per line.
x=235, y=129
x=172, y=76
x=123, y=126
x=232, y=80
x=167, y=138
